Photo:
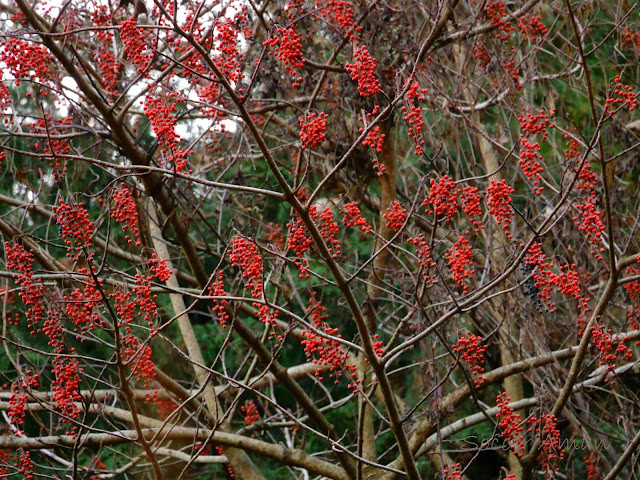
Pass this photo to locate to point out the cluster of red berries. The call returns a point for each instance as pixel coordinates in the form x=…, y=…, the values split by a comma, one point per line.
x=498, y=15
x=567, y=282
x=509, y=423
x=482, y=54
x=135, y=46
x=287, y=47
x=137, y=356
x=251, y=414
x=573, y=147
x=471, y=206
x=75, y=227
x=4, y=463
x=546, y=429
x=459, y=261
x=531, y=26
x=609, y=348
x=443, y=198
x=329, y=231
x=396, y=216
x=81, y=307
x=499, y=203
x=22, y=58
x=244, y=254
x=537, y=124
x=374, y=138
x=341, y=13
x=158, y=267
x=216, y=289
x=300, y=242
x=452, y=472
x=105, y=59
x=312, y=128
x=56, y=148
x=18, y=400
x=629, y=37
x=124, y=306
x=471, y=350
x=66, y=388
x=591, y=465
x=353, y=218
x=124, y=211
x=363, y=72
x=622, y=94
x=530, y=159
x=327, y=352
x=230, y=59
x=26, y=465
x=144, y=300
x=413, y=115
x=511, y=69
x=163, y=123
x=589, y=218
x=31, y=292
x=423, y=252
x=531, y=163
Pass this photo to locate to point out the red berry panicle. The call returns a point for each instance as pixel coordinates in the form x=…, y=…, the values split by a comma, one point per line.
x=471, y=351
x=471, y=206
x=329, y=231
x=75, y=227
x=443, y=198
x=135, y=45
x=460, y=264
x=158, y=267
x=17, y=402
x=509, y=423
x=163, y=123
x=374, y=139
x=300, y=242
x=287, y=47
x=423, y=252
x=104, y=57
x=530, y=159
x=531, y=26
x=622, y=95
x=230, y=58
x=325, y=352
x=66, y=389
x=353, y=218
x=609, y=348
x=413, y=115
x=589, y=218
x=396, y=216
x=251, y=414
x=26, y=60
x=124, y=211
x=31, y=290
x=341, y=13
x=216, y=289
x=499, y=203
x=363, y=72
x=244, y=254
x=546, y=429
x=312, y=128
